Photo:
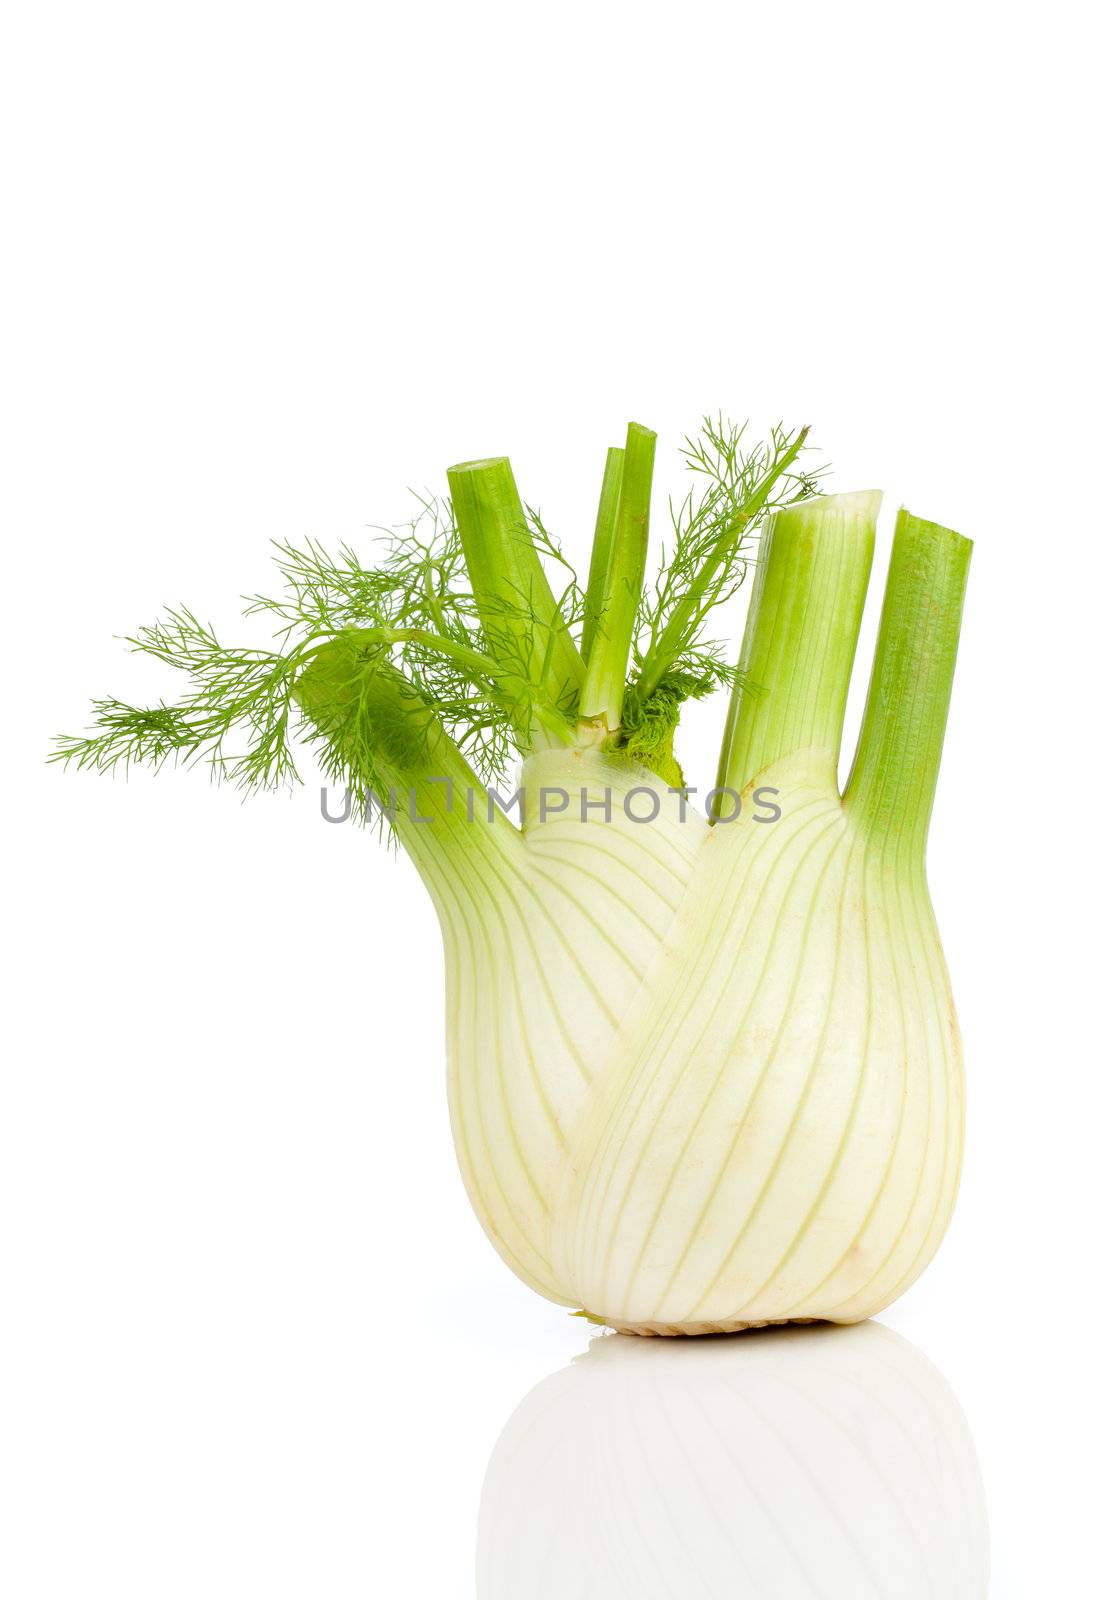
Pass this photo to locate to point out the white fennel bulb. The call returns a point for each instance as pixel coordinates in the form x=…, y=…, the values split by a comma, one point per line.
x=709, y=1076
x=703, y=1063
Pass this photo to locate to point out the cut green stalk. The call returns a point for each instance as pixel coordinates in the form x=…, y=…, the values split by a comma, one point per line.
x=894, y=776
x=609, y=657
x=801, y=635
x=606, y=518
x=518, y=610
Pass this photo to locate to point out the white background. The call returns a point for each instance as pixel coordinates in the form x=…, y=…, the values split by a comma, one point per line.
x=266, y=266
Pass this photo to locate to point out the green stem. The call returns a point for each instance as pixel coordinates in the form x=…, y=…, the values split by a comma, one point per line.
x=606, y=517
x=519, y=614
x=434, y=605
x=478, y=666
x=801, y=634
x=894, y=776
x=676, y=632
x=411, y=760
x=601, y=699
x=480, y=669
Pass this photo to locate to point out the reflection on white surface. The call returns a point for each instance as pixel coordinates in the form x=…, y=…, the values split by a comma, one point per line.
x=832, y=1463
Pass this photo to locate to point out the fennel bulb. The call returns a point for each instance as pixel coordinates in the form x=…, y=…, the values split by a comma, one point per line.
x=808, y=1466
x=703, y=1065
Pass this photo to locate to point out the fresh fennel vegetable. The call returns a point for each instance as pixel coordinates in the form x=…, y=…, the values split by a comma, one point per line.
x=703, y=1065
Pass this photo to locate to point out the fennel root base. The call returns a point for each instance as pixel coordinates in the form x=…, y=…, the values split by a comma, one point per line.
x=691, y=1330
